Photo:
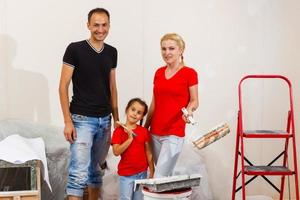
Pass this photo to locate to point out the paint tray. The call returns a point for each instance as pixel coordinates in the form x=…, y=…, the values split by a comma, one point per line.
x=169, y=183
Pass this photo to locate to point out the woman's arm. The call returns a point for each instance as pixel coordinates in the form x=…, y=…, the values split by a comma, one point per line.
x=194, y=99
x=150, y=113
x=149, y=158
x=193, y=103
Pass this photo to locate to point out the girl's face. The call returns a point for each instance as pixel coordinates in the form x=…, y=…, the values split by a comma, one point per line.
x=170, y=51
x=135, y=112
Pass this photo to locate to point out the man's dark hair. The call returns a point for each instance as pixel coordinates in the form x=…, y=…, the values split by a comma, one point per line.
x=98, y=10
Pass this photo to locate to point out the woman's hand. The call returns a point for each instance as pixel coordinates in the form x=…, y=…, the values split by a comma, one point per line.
x=187, y=115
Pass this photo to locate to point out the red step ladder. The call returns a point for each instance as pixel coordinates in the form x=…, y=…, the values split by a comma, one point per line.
x=268, y=170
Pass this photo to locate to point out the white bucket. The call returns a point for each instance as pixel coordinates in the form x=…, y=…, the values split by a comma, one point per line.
x=258, y=197
x=255, y=197
x=178, y=195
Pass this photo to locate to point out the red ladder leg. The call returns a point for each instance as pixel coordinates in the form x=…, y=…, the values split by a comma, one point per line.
x=288, y=128
x=236, y=160
x=243, y=167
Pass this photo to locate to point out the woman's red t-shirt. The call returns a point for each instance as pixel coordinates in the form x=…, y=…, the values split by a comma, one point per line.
x=170, y=96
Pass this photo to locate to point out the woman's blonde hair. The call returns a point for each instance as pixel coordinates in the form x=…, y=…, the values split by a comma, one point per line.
x=177, y=38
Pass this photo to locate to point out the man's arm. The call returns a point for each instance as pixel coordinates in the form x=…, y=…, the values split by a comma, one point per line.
x=114, y=96
x=65, y=79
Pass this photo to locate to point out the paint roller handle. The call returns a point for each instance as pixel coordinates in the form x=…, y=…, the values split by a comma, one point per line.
x=189, y=117
x=124, y=126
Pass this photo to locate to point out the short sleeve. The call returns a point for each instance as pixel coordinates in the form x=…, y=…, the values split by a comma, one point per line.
x=192, y=77
x=70, y=56
x=115, y=58
x=147, y=136
x=154, y=78
x=157, y=74
x=116, y=138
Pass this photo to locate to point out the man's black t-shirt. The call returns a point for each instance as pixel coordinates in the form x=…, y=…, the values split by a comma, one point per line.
x=91, y=89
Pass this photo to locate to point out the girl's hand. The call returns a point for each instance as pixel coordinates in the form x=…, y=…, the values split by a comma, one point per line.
x=128, y=130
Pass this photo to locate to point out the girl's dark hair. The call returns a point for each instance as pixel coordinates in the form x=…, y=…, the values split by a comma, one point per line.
x=140, y=101
x=98, y=10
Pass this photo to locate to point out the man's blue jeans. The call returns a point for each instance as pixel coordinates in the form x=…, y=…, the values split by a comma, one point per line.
x=127, y=185
x=88, y=151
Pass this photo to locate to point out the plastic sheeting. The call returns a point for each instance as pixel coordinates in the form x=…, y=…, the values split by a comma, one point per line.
x=57, y=153
x=18, y=150
x=190, y=162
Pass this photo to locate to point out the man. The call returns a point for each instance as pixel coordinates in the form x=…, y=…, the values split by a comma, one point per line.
x=91, y=65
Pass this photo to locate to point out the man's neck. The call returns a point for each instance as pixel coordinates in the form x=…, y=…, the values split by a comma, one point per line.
x=96, y=44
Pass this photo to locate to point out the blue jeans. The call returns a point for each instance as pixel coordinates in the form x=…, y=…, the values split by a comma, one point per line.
x=88, y=151
x=127, y=185
x=166, y=150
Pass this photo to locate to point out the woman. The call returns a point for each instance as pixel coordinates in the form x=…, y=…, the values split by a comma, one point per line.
x=175, y=87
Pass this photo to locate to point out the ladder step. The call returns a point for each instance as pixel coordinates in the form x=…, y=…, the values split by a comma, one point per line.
x=267, y=170
x=266, y=134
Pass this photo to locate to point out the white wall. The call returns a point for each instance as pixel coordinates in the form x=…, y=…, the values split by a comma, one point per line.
x=225, y=41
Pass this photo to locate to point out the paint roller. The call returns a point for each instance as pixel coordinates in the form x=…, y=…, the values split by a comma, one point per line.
x=124, y=126
x=212, y=135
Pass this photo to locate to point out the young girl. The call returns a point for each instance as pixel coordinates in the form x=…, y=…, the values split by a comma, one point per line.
x=132, y=142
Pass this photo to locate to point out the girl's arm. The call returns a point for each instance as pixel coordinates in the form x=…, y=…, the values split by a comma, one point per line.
x=150, y=113
x=118, y=149
x=149, y=158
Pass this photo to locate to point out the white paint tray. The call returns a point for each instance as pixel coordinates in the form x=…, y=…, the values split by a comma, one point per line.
x=169, y=183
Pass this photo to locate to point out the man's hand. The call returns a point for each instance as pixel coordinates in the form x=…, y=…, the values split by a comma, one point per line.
x=70, y=132
x=116, y=124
